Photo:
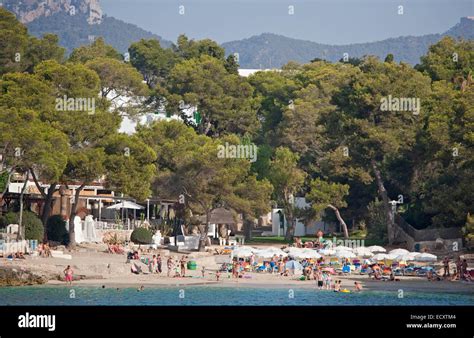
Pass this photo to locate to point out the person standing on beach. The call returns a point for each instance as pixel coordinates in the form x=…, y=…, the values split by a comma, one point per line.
x=459, y=266
x=169, y=263
x=183, y=266
x=158, y=263
x=446, y=266
x=325, y=279
x=203, y=271
x=153, y=264
x=68, y=272
x=319, y=278
x=463, y=269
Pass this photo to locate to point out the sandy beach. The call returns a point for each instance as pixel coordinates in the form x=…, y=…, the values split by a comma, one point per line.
x=95, y=268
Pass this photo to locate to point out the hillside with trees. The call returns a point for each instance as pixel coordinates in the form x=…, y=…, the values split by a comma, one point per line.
x=320, y=128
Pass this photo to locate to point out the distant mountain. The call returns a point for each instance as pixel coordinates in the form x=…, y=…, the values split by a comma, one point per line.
x=273, y=51
x=74, y=31
x=77, y=22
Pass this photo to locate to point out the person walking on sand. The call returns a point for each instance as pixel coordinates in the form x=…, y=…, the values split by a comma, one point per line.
x=203, y=271
x=446, y=266
x=158, y=263
x=169, y=263
x=68, y=272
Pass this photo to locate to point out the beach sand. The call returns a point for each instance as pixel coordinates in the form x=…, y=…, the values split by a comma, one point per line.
x=95, y=268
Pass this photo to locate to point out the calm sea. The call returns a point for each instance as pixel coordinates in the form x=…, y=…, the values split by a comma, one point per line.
x=218, y=296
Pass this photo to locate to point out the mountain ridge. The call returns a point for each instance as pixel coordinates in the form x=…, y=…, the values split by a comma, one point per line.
x=266, y=50
x=269, y=50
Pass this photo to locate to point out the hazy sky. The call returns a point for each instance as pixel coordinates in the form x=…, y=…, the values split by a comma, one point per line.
x=324, y=21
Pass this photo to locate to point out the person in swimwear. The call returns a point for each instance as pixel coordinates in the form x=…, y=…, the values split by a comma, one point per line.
x=68, y=272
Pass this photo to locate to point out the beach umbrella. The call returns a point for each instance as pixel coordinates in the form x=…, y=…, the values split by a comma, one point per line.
x=379, y=257
x=426, y=257
x=330, y=270
x=405, y=258
x=242, y=252
x=301, y=253
x=343, y=248
x=345, y=254
x=392, y=256
x=399, y=252
x=270, y=252
x=125, y=205
x=363, y=252
x=376, y=248
x=292, y=249
x=309, y=253
x=327, y=252
x=293, y=265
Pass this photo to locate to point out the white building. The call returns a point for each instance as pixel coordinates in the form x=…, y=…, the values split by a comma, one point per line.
x=279, y=223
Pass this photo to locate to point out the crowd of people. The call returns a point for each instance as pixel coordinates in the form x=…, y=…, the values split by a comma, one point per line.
x=155, y=264
x=460, y=272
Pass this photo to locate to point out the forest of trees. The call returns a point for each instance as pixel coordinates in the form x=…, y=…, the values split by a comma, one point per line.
x=320, y=129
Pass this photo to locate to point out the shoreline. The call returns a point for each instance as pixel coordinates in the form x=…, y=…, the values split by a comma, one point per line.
x=407, y=284
x=93, y=268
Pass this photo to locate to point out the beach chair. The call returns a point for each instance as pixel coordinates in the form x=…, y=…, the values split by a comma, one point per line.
x=334, y=262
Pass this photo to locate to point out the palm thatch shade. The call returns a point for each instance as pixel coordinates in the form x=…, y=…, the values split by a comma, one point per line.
x=219, y=216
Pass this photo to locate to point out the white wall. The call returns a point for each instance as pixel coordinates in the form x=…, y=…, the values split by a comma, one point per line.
x=300, y=229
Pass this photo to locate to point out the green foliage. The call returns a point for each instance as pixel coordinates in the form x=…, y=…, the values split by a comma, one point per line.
x=56, y=229
x=141, y=236
x=389, y=58
x=130, y=164
x=33, y=227
x=376, y=222
x=20, y=52
x=189, y=49
x=3, y=180
x=224, y=100
x=468, y=229
x=8, y=218
x=449, y=60
x=98, y=49
x=320, y=127
x=323, y=193
x=152, y=61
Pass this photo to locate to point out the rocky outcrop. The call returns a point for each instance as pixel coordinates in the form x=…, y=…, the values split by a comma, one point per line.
x=12, y=276
x=30, y=10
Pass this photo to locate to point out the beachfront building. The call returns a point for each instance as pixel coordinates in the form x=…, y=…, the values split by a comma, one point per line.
x=95, y=199
x=280, y=223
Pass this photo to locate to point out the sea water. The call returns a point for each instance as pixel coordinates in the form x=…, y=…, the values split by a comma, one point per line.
x=218, y=296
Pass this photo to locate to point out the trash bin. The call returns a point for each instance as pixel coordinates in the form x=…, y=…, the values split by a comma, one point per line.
x=192, y=265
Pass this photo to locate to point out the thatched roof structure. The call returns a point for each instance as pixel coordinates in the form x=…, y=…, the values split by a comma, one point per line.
x=220, y=216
